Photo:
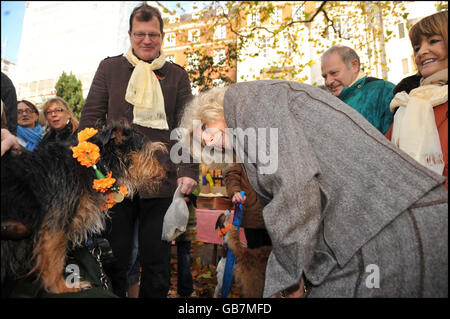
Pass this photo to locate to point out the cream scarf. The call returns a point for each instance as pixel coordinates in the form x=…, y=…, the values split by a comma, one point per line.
x=144, y=92
x=415, y=130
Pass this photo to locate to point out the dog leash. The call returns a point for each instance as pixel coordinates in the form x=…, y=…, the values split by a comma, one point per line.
x=231, y=259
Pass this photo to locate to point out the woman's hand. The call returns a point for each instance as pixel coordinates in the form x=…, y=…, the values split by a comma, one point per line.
x=237, y=199
x=188, y=185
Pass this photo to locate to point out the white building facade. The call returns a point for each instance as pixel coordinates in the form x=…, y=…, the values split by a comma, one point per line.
x=398, y=58
x=70, y=36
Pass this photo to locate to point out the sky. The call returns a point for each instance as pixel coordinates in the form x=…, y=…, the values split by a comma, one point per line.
x=12, y=13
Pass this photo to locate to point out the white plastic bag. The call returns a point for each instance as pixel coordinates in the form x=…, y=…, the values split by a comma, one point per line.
x=176, y=218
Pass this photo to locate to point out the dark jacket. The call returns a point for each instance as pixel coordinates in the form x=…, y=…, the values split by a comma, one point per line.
x=105, y=104
x=9, y=99
x=236, y=180
x=58, y=136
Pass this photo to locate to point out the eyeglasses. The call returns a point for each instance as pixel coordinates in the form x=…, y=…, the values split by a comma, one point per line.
x=141, y=35
x=57, y=111
x=27, y=111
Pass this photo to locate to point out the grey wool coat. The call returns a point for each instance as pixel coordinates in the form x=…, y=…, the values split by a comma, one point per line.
x=345, y=207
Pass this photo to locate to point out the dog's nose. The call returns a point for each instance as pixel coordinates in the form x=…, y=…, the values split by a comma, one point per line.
x=14, y=230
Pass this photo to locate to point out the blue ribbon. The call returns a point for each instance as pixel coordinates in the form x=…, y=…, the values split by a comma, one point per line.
x=231, y=259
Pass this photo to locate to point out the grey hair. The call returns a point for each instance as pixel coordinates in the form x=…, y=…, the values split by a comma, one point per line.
x=347, y=55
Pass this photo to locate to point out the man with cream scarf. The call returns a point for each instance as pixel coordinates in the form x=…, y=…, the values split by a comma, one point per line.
x=144, y=90
x=344, y=78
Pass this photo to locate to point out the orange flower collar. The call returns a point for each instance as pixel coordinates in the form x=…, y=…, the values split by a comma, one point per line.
x=88, y=154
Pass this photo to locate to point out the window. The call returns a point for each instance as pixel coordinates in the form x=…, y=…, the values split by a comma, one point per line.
x=220, y=32
x=276, y=16
x=170, y=39
x=343, y=25
x=196, y=15
x=297, y=12
x=192, y=61
x=265, y=44
x=220, y=11
x=219, y=57
x=253, y=19
x=405, y=66
x=401, y=30
x=194, y=36
x=170, y=58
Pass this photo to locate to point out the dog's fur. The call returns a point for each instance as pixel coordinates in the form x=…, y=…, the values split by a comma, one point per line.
x=250, y=268
x=51, y=193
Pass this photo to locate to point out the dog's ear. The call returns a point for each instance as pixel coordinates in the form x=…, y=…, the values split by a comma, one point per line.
x=117, y=134
x=113, y=134
x=105, y=136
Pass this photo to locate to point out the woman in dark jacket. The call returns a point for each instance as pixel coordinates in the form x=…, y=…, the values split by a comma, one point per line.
x=62, y=124
x=252, y=219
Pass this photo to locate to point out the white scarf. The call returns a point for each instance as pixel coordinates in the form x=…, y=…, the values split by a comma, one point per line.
x=415, y=130
x=144, y=92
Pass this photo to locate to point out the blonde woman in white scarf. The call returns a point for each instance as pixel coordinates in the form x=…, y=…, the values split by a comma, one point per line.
x=420, y=125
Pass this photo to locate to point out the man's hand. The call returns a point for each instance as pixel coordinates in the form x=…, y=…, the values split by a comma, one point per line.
x=188, y=185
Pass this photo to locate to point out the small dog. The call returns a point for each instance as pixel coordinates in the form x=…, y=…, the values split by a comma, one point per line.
x=49, y=192
x=250, y=267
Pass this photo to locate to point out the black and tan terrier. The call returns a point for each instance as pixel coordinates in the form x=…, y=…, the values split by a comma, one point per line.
x=51, y=194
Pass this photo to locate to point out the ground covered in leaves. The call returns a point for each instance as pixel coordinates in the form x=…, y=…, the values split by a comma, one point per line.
x=203, y=269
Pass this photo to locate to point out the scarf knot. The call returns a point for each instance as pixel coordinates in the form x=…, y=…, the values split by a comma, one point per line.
x=144, y=92
x=31, y=136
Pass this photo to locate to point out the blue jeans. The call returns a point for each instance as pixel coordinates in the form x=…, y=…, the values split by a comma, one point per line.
x=185, y=283
x=135, y=265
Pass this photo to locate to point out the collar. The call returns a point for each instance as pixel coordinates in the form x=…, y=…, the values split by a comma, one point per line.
x=358, y=84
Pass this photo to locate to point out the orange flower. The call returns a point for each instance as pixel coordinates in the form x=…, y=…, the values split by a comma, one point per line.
x=86, y=153
x=86, y=134
x=102, y=185
x=109, y=202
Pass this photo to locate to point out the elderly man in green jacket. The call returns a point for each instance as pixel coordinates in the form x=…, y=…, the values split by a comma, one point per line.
x=369, y=96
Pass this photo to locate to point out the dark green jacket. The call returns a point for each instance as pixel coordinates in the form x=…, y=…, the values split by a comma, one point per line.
x=371, y=97
x=89, y=271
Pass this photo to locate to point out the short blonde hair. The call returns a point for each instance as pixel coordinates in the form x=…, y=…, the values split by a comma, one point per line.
x=206, y=107
x=62, y=103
